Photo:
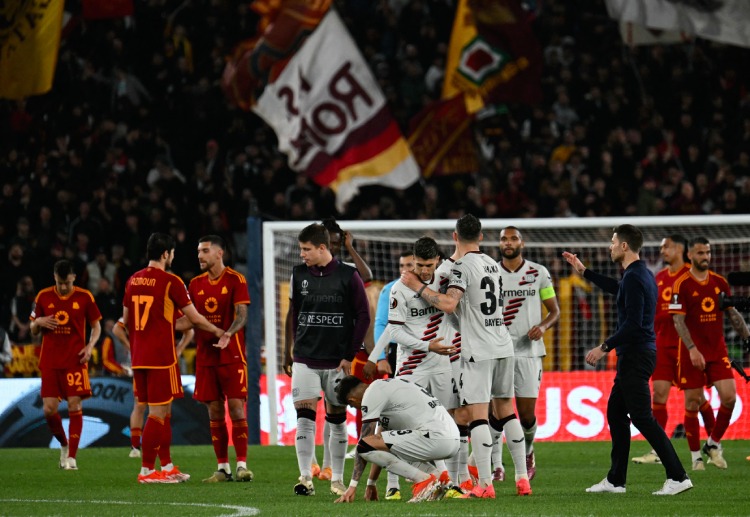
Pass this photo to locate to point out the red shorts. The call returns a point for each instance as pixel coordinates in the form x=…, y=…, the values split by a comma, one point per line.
x=358, y=366
x=157, y=386
x=219, y=382
x=667, y=362
x=62, y=384
x=692, y=378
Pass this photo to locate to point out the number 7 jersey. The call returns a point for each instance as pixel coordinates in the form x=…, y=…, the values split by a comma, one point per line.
x=153, y=297
x=480, y=311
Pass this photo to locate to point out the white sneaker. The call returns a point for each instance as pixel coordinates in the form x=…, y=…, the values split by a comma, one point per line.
x=605, y=486
x=650, y=457
x=672, y=487
x=63, y=456
x=134, y=453
x=71, y=464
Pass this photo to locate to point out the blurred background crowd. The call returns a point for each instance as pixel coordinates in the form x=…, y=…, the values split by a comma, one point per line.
x=136, y=137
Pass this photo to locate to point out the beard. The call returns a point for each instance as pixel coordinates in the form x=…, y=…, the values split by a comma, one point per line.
x=511, y=253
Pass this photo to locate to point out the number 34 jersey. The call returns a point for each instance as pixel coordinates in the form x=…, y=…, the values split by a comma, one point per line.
x=480, y=311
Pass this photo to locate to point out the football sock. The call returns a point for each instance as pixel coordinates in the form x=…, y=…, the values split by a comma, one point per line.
x=239, y=438
x=463, y=454
x=528, y=435
x=514, y=439
x=75, y=426
x=709, y=419
x=660, y=414
x=304, y=442
x=337, y=444
x=392, y=481
x=481, y=441
x=692, y=430
x=151, y=440
x=326, y=450
x=220, y=440
x=165, y=446
x=722, y=422
x=54, y=421
x=135, y=437
x=395, y=465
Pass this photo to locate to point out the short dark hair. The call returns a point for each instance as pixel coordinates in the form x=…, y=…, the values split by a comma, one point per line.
x=699, y=240
x=345, y=387
x=158, y=244
x=64, y=268
x=215, y=240
x=680, y=239
x=630, y=234
x=426, y=248
x=468, y=228
x=512, y=228
x=332, y=226
x=315, y=233
x=406, y=253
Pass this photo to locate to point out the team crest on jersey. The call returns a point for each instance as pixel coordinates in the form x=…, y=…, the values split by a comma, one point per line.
x=75, y=305
x=529, y=278
x=305, y=285
x=224, y=290
x=394, y=303
x=456, y=272
x=363, y=409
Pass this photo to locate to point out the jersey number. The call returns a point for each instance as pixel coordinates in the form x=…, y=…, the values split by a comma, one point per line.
x=141, y=318
x=493, y=299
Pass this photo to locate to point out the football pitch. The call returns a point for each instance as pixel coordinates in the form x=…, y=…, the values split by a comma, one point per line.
x=31, y=484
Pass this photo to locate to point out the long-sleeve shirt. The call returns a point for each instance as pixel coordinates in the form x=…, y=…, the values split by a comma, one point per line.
x=636, y=307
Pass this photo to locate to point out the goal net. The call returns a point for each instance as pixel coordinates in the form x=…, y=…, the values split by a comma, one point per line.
x=587, y=315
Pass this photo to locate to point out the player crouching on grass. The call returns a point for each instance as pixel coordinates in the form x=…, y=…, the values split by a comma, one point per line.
x=414, y=429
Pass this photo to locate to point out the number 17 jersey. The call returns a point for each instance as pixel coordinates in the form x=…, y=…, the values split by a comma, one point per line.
x=480, y=311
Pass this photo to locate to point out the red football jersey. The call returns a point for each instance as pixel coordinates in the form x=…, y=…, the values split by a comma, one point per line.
x=153, y=298
x=60, y=347
x=699, y=302
x=666, y=334
x=216, y=300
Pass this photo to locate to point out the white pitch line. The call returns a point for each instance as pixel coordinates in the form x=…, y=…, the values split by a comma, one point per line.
x=239, y=511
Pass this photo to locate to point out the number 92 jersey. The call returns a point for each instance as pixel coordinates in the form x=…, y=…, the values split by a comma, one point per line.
x=480, y=311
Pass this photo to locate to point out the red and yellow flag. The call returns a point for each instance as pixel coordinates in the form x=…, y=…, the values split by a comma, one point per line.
x=29, y=41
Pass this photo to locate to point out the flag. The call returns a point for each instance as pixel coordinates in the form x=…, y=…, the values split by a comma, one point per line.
x=634, y=35
x=441, y=139
x=328, y=112
x=493, y=55
x=29, y=41
x=101, y=9
x=727, y=21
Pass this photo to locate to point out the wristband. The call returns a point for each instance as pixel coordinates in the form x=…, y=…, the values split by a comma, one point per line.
x=372, y=482
x=353, y=484
x=421, y=290
x=689, y=347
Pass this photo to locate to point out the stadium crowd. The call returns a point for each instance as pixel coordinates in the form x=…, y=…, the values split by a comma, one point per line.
x=136, y=137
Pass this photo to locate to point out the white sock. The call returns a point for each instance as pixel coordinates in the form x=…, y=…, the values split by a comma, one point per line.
x=145, y=471
x=516, y=446
x=167, y=467
x=528, y=435
x=304, y=443
x=696, y=455
x=337, y=443
x=224, y=467
x=481, y=442
x=392, y=481
x=463, y=460
x=497, y=448
x=452, y=465
x=326, y=450
x=395, y=465
x=242, y=464
x=711, y=441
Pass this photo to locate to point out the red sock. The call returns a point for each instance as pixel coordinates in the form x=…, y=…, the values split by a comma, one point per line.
x=135, y=437
x=709, y=419
x=151, y=440
x=220, y=440
x=692, y=430
x=660, y=414
x=165, y=453
x=75, y=426
x=239, y=438
x=722, y=422
x=359, y=422
x=55, y=425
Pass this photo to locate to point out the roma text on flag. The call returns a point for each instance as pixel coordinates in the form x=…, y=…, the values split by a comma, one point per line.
x=29, y=41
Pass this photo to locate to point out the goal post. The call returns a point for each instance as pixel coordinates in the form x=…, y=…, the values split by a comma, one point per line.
x=587, y=316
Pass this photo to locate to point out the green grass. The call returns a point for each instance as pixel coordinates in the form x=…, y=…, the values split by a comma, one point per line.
x=31, y=484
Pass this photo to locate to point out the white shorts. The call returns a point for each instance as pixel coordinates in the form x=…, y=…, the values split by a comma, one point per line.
x=484, y=380
x=441, y=385
x=527, y=376
x=307, y=383
x=438, y=442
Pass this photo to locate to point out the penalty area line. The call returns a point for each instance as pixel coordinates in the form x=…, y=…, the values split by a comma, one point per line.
x=238, y=511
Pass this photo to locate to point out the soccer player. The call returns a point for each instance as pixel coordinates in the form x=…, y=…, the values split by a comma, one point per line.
x=331, y=315
x=673, y=250
x=60, y=314
x=704, y=357
x=414, y=428
x=152, y=297
x=526, y=286
x=630, y=398
x=220, y=294
x=474, y=293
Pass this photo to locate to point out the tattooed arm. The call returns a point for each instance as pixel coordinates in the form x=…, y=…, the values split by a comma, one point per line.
x=738, y=322
x=695, y=355
x=368, y=429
